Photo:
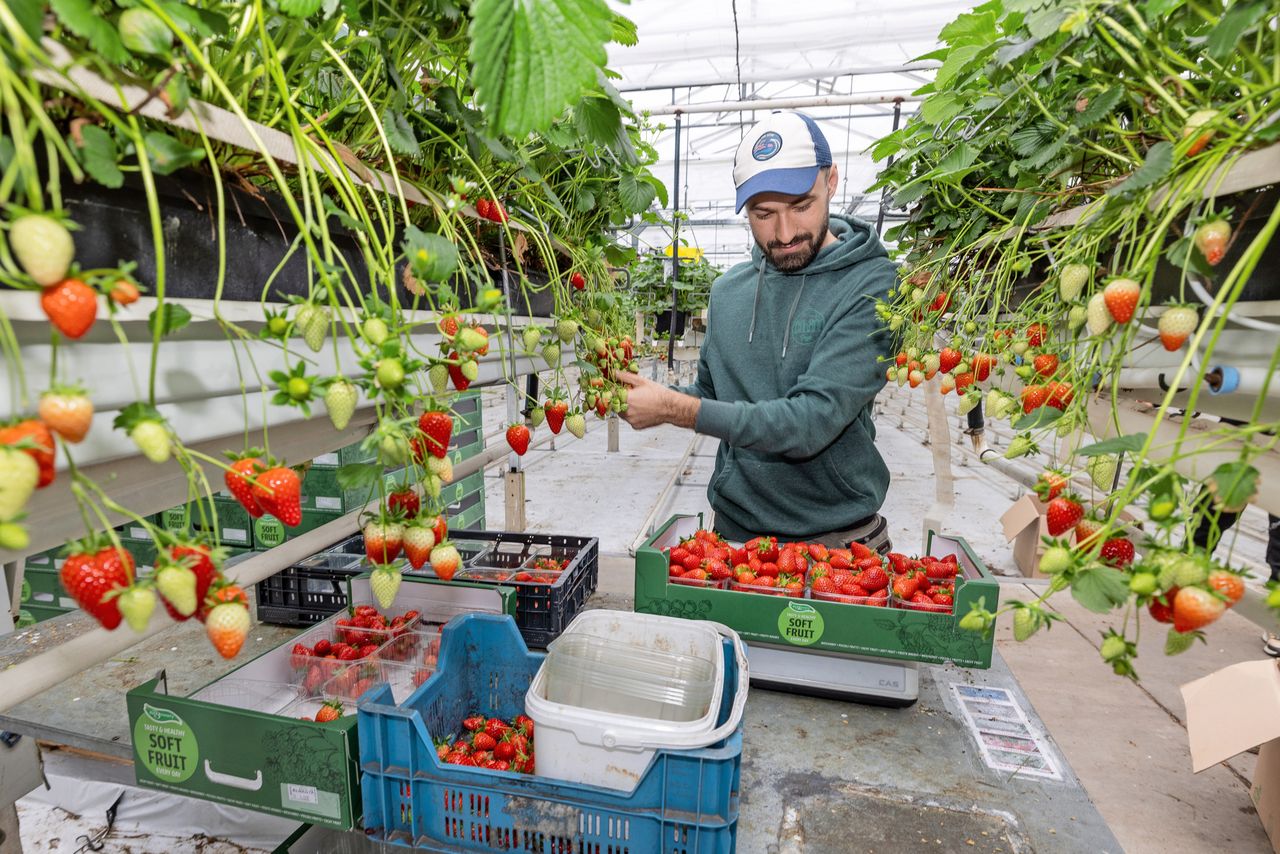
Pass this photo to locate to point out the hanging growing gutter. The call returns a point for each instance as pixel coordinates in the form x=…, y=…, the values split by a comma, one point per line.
x=781, y=104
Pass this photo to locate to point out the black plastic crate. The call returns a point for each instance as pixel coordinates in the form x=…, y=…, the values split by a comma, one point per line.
x=543, y=611
x=316, y=588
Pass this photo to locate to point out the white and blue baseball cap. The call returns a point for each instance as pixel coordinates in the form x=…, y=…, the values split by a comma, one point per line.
x=782, y=153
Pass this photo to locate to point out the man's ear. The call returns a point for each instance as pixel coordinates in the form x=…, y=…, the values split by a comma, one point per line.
x=833, y=180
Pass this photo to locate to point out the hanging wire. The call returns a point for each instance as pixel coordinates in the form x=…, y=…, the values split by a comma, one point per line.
x=737, y=49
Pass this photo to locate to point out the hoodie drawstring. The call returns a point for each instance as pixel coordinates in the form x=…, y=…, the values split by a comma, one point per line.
x=755, y=305
x=786, y=336
x=751, y=333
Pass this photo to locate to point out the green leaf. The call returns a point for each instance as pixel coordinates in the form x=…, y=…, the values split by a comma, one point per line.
x=1042, y=417
x=1270, y=133
x=1043, y=155
x=584, y=201
x=200, y=22
x=956, y=62
x=29, y=15
x=170, y=317
x=400, y=133
x=1026, y=141
x=432, y=257
x=1043, y=23
x=359, y=475
x=1233, y=486
x=167, y=154
x=1239, y=18
x=1015, y=50
x=347, y=220
x=597, y=119
x=635, y=195
x=1099, y=107
x=624, y=31
x=978, y=28
x=1158, y=164
x=940, y=109
x=1131, y=444
x=659, y=188
x=84, y=19
x=299, y=8
x=532, y=60
x=98, y=156
x=1100, y=588
x=889, y=145
x=1155, y=10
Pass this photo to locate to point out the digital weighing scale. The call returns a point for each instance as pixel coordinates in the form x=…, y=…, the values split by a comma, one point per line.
x=875, y=681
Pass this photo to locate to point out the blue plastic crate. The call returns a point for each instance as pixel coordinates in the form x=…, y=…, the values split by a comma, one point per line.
x=686, y=802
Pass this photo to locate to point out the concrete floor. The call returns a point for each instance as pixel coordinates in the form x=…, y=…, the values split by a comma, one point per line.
x=834, y=777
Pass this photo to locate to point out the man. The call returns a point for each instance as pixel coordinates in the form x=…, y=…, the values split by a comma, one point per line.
x=790, y=366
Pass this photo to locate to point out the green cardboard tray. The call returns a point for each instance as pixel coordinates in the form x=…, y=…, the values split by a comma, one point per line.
x=825, y=626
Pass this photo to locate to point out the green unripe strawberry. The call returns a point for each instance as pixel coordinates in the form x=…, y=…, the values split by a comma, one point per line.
x=432, y=485
x=1273, y=598
x=1056, y=559
x=313, y=321
x=974, y=621
x=1076, y=317
x=469, y=340
x=177, y=585
x=470, y=369
x=438, y=376
x=1020, y=446
x=375, y=331
x=13, y=536
x=152, y=438
x=1161, y=507
x=970, y=327
x=277, y=326
x=567, y=330
x=1072, y=280
x=1190, y=570
x=393, y=449
x=531, y=336
x=1143, y=583
x=384, y=583
x=43, y=247
x=551, y=354
x=19, y=474
x=136, y=605
x=298, y=388
x=895, y=322
x=537, y=415
x=340, y=401
x=969, y=401
x=576, y=424
x=389, y=374
x=1025, y=624
x=1113, y=647
x=1102, y=471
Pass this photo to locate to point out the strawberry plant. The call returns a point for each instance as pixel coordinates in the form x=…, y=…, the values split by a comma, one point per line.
x=1064, y=222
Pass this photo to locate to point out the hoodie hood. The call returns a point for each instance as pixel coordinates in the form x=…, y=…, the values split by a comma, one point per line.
x=856, y=241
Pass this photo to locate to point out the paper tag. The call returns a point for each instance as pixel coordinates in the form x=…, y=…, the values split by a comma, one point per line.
x=325, y=460
x=239, y=535
x=328, y=502
x=140, y=533
x=303, y=794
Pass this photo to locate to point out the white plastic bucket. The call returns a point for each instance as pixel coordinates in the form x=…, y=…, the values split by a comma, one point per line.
x=611, y=749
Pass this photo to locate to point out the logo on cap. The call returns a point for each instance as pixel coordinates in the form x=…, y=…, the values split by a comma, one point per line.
x=766, y=146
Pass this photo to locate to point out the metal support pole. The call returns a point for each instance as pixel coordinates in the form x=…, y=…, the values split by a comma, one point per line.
x=884, y=194
x=514, y=476
x=675, y=252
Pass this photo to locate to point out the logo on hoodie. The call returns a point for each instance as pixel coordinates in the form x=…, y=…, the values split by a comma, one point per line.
x=766, y=146
x=806, y=326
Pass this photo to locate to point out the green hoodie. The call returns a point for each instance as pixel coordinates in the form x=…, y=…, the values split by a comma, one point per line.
x=787, y=377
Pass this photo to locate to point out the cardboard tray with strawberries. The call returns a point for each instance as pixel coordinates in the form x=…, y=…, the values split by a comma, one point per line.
x=251, y=739
x=800, y=620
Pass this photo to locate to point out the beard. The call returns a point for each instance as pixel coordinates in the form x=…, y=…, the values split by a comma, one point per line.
x=789, y=262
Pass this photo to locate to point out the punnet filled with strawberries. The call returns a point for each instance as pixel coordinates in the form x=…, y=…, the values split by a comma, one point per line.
x=855, y=575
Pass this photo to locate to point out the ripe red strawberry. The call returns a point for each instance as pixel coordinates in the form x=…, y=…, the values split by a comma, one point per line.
x=1228, y=584
x=518, y=438
x=330, y=711
x=237, y=481
x=496, y=728
x=124, y=292
x=905, y=586
x=1036, y=333
x=406, y=501
x=1121, y=297
x=440, y=527
x=948, y=358
x=1194, y=607
x=1046, y=364
x=1050, y=485
x=982, y=363
x=940, y=302
x=42, y=453
x=418, y=542
x=874, y=579
x=577, y=281
x=1033, y=397
x=71, y=306
x=1211, y=239
x=1063, y=514
x=556, y=412
x=474, y=723
x=1117, y=552
x=383, y=540
x=279, y=492
x=88, y=580
x=1176, y=325
x=767, y=549
x=437, y=428
x=1060, y=395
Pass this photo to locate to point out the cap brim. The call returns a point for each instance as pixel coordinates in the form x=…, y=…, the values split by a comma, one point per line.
x=789, y=182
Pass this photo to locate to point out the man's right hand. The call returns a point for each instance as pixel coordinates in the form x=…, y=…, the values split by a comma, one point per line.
x=650, y=404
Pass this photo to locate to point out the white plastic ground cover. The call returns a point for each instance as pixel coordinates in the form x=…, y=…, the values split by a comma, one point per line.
x=613, y=750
